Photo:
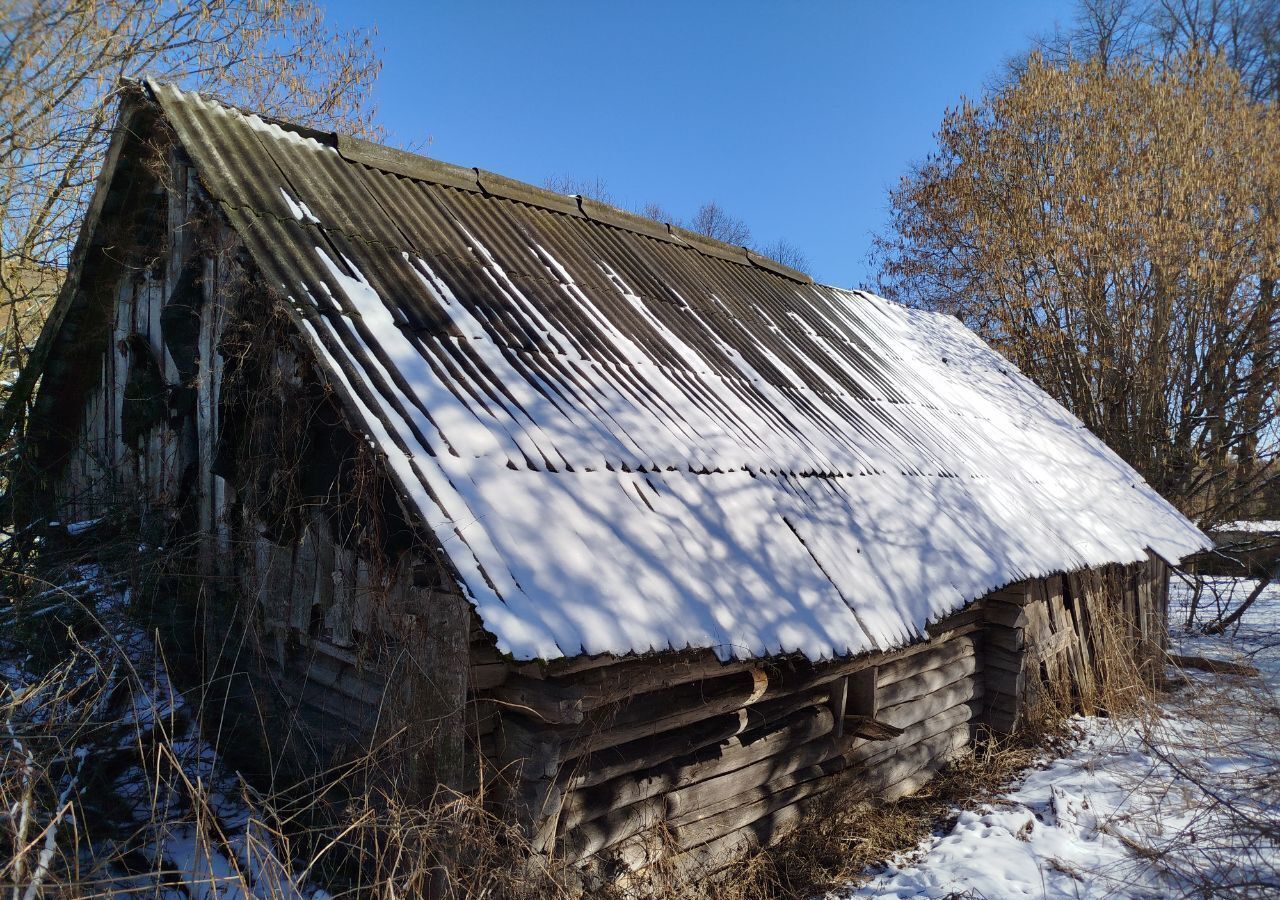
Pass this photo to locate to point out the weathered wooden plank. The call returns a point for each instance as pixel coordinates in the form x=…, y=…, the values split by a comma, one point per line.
x=668, y=710
x=870, y=754
x=434, y=671
x=488, y=675
x=1008, y=639
x=603, y=685
x=761, y=802
x=1052, y=644
x=345, y=577
x=943, y=655
x=303, y=588
x=687, y=804
x=349, y=681
x=1006, y=615
x=924, y=682
x=838, y=702
x=651, y=751
x=1018, y=594
x=904, y=715
x=1010, y=683
x=734, y=753
x=547, y=701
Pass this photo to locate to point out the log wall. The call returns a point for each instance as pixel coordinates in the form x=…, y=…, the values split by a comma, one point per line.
x=621, y=763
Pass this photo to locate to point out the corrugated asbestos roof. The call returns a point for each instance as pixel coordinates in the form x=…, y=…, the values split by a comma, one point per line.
x=631, y=438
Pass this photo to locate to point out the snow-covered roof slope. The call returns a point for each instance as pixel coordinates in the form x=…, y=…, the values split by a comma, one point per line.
x=628, y=438
x=1252, y=526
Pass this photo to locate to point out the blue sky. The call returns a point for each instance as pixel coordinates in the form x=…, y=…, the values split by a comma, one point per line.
x=795, y=117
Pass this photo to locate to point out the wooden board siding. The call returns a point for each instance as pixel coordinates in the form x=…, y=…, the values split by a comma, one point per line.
x=103, y=473
x=1055, y=637
x=751, y=770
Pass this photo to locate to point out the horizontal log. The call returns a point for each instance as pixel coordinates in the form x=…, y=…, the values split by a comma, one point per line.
x=709, y=860
x=871, y=754
x=830, y=671
x=999, y=681
x=913, y=783
x=1002, y=721
x=602, y=686
x=1009, y=639
x=925, y=682
x=754, y=785
x=1006, y=615
x=769, y=799
x=603, y=832
x=360, y=687
x=942, y=629
x=486, y=676
x=543, y=700
x=663, y=711
x=735, y=753
x=688, y=804
x=766, y=804
x=907, y=762
x=647, y=752
x=946, y=654
x=998, y=658
x=526, y=749
x=702, y=860
x=904, y=715
x=303, y=693
x=942, y=655
x=1018, y=594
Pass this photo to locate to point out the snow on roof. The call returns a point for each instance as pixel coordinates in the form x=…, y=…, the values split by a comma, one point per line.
x=1251, y=526
x=628, y=438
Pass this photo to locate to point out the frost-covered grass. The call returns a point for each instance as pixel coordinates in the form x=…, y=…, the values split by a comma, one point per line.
x=1183, y=803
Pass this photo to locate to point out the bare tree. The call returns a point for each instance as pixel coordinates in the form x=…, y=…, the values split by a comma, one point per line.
x=61, y=65
x=786, y=253
x=592, y=188
x=1113, y=228
x=1245, y=32
x=656, y=212
x=712, y=220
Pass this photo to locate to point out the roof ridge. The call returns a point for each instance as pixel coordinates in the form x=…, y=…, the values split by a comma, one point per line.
x=424, y=168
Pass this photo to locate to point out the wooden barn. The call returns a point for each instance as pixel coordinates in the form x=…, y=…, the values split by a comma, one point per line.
x=656, y=539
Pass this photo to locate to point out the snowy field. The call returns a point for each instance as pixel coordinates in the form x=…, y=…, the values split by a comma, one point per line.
x=1186, y=805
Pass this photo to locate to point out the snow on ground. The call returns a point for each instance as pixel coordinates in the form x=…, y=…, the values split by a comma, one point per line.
x=1186, y=805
